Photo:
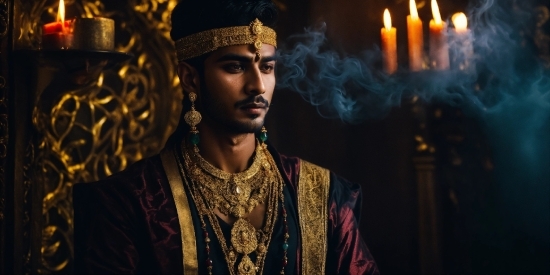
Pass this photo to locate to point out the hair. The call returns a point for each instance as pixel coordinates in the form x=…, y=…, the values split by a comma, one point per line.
x=194, y=16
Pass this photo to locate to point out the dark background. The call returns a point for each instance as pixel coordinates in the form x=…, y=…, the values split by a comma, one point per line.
x=474, y=235
x=475, y=226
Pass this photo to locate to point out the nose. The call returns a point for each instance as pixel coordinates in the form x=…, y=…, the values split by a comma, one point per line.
x=255, y=82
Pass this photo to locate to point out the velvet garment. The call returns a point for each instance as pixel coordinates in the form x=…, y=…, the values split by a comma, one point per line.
x=128, y=224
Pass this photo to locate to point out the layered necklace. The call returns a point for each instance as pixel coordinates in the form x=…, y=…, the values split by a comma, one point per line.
x=236, y=195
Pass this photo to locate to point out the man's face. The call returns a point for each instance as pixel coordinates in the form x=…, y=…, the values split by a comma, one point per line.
x=238, y=87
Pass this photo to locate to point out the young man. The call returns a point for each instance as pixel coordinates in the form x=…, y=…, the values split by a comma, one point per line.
x=219, y=199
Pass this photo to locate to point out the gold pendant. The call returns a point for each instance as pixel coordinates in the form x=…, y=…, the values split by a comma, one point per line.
x=240, y=190
x=243, y=237
x=246, y=267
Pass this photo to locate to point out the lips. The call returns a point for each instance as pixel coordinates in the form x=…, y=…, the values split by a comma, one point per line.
x=254, y=106
x=253, y=109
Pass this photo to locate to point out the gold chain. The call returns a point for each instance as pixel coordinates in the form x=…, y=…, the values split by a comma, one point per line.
x=232, y=194
x=237, y=195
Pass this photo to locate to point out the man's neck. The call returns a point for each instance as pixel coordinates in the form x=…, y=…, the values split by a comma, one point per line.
x=229, y=152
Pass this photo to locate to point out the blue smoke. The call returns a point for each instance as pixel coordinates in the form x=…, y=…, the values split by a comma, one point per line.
x=505, y=85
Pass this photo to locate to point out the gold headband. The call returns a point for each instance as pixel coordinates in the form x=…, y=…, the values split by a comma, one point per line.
x=207, y=41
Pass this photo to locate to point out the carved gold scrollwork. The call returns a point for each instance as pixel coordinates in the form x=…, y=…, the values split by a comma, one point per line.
x=127, y=113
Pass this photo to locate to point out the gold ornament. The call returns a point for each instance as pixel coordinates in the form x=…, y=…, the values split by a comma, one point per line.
x=193, y=117
x=210, y=40
x=237, y=195
x=233, y=194
x=243, y=237
x=246, y=267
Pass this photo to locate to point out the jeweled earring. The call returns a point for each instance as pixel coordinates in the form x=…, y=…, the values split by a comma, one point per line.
x=263, y=134
x=193, y=117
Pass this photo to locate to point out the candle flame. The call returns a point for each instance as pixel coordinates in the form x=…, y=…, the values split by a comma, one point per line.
x=387, y=20
x=435, y=12
x=61, y=11
x=460, y=21
x=414, y=11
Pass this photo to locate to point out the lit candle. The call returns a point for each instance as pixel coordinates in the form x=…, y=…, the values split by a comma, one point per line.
x=416, y=39
x=461, y=47
x=389, y=44
x=439, y=49
x=460, y=21
x=58, y=35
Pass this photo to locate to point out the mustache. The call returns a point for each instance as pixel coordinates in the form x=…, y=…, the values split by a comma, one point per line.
x=253, y=100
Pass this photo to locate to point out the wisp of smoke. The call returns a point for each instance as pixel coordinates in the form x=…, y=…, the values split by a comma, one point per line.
x=505, y=86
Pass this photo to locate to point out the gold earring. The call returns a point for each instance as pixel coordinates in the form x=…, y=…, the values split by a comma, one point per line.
x=193, y=117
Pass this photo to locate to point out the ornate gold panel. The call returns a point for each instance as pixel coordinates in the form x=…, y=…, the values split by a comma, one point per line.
x=121, y=115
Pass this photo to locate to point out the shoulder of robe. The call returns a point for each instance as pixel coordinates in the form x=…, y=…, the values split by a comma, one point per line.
x=133, y=177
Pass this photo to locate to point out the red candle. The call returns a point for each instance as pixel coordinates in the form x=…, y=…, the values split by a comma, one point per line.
x=58, y=35
x=439, y=48
x=389, y=44
x=416, y=39
x=57, y=27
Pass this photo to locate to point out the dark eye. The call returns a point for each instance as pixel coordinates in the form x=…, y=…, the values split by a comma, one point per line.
x=234, y=67
x=267, y=68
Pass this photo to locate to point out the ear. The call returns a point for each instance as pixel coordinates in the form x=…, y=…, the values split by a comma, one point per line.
x=189, y=77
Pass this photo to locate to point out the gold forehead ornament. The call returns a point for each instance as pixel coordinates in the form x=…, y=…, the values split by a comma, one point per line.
x=207, y=41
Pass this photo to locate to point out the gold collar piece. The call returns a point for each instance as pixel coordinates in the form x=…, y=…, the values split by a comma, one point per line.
x=207, y=41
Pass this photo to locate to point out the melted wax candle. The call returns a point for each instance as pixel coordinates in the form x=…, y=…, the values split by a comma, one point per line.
x=58, y=35
x=461, y=44
x=415, y=38
x=389, y=45
x=439, y=48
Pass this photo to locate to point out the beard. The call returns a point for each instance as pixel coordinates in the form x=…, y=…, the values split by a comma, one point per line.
x=213, y=110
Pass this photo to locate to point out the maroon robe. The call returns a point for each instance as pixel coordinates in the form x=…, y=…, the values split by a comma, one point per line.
x=128, y=223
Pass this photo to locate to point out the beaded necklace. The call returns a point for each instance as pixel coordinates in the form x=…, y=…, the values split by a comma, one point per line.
x=237, y=195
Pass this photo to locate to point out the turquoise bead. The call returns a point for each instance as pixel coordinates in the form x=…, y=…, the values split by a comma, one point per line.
x=195, y=139
x=285, y=246
x=263, y=137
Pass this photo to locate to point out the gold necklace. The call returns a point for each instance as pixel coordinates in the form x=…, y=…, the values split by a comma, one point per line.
x=237, y=195
x=233, y=194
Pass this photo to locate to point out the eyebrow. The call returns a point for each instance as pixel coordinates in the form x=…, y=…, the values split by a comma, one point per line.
x=244, y=59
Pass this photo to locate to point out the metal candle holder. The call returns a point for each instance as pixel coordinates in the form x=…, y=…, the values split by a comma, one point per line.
x=96, y=34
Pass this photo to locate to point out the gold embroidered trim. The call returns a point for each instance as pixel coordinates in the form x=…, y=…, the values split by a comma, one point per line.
x=313, y=191
x=210, y=40
x=188, y=240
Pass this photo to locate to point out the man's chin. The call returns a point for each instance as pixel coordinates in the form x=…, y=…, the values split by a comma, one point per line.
x=246, y=127
x=240, y=123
